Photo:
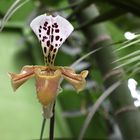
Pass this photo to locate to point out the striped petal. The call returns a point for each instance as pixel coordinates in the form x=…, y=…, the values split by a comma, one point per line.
x=76, y=80
x=18, y=79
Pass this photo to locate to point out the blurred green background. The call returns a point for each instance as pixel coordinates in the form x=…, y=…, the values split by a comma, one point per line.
x=21, y=113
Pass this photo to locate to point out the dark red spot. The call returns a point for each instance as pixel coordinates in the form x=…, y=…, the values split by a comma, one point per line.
x=44, y=37
x=53, y=56
x=40, y=27
x=57, y=37
x=49, y=58
x=45, y=24
x=44, y=28
x=55, y=23
x=48, y=31
x=39, y=30
x=56, y=26
x=45, y=49
x=52, y=38
x=60, y=39
x=54, y=50
x=56, y=45
x=48, y=43
x=51, y=48
x=52, y=31
x=57, y=30
x=39, y=35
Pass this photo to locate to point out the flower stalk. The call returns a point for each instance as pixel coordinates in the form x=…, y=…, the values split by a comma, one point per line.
x=42, y=128
x=52, y=122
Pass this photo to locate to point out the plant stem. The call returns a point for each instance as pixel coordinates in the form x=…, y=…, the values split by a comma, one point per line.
x=42, y=128
x=52, y=120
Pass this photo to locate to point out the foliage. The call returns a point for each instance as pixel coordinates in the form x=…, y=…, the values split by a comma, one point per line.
x=20, y=113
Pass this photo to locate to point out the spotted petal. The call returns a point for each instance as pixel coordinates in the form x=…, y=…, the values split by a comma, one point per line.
x=51, y=32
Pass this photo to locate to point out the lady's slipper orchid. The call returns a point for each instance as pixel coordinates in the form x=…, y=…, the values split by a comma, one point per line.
x=51, y=32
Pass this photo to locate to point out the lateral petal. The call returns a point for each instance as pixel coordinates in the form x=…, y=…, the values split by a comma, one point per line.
x=76, y=80
x=18, y=79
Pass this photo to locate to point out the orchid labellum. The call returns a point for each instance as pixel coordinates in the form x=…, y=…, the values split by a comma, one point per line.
x=51, y=32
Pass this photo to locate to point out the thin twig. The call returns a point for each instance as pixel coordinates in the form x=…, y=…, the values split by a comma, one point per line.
x=10, y=13
x=83, y=57
x=42, y=128
x=52, y=120
x=96, y=106
x=75, y=63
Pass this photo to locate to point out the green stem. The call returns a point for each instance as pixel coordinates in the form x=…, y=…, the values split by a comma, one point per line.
x=52, y=120
x=42, y=128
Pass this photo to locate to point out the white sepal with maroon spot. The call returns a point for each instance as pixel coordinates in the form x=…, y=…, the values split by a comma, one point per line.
x=52, y=32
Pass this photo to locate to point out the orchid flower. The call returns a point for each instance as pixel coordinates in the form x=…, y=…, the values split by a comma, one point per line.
x=51, y=32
